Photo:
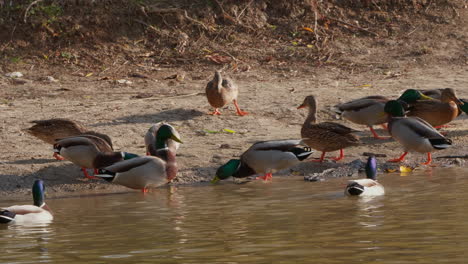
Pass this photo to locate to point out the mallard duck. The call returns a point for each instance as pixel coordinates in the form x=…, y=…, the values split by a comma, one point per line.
x=37, y=213
x=50, y=130
x=433, y=93
x=364, y=111
x=368, y=186
x=367, y=110
x=142, y=172
x=437, y=94
x=435, y=112
x=413, y=133
x=325, y=136
x=159, y=135
x=264, y=157
x=221, y=91
x=88, y=151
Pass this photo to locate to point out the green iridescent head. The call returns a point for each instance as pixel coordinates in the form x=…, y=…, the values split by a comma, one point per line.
x=226, y=170
x=38, y=190
x=164, y=133
x=464, y=106
x=412, y=95
x=394, y=108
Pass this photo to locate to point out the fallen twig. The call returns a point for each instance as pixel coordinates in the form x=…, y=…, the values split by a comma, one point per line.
x=29, y=7
x=354, y=26
x=453, y=157
x=195, y=21
x=368, y=154
x=243, y=10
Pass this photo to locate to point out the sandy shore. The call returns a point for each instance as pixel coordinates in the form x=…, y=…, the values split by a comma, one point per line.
x=271, y=98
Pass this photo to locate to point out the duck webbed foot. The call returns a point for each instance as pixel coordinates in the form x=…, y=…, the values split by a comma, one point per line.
x=268, y=176
x=400, y=159
x=429, y=159
x=85, y=172
x=238, y=111
x=215, y=112
x=376, y=136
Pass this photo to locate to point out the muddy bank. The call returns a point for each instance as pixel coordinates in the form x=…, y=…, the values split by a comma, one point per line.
x=123, y=85
x=270, y=98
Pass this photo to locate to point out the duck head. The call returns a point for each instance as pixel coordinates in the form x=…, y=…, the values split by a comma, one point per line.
x=371, y=168
x=164, y=133
x=394, y=108
x=412, y=95
x=309, y=102
x=218, y=80
x=448, y=94
x=226, y=170
x=38, y=190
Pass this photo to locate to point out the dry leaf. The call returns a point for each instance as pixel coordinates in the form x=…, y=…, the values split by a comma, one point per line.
x=406, y=169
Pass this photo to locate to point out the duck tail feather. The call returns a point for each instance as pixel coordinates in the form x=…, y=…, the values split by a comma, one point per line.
x=440, y=143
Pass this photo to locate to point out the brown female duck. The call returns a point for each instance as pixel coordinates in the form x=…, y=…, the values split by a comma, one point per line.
x=437, y=112
x=88, y=151
x=51, y=130
x=325, y=136
x=220, y=92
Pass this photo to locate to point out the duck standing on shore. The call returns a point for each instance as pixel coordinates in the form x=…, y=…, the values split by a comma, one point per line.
x=413, y=133
x=143, y=172
x=160, y=135
x=437, y=112
x=325, y=136
x=220, y=92
x=264, y=157
x=37, y=213
x=367, y=110
x=51, y=130
x=89, y=151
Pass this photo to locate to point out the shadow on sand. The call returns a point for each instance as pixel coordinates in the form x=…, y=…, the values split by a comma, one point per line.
x=172, y=115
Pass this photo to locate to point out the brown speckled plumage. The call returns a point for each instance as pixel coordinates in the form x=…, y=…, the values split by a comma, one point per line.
x=50, y=130
x=325, y=136
x=437, y=112
x=220, y=92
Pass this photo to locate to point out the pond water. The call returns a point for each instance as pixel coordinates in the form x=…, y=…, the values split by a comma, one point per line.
x=423, y=218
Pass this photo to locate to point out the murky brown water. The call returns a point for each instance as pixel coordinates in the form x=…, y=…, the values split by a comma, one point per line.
x=423, y=218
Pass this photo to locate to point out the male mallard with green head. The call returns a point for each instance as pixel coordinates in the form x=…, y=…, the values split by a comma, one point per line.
x=37, y=213
x=143, y=172
x=367, y=111
x=50, y=130
x=220, y=92
x=325, y=136
x=413, y=133
x=368, y=186
x=88, y=151
x=264, y=157
x=159, y=135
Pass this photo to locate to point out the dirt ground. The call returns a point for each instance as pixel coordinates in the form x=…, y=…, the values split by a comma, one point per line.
x=270, y=92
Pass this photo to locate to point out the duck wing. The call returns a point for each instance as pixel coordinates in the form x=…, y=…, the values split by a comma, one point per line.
x=126, y=165
x=281, y=145
x=421, y=127
x=86, y=139
x=358, y=104
x=336, y=128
